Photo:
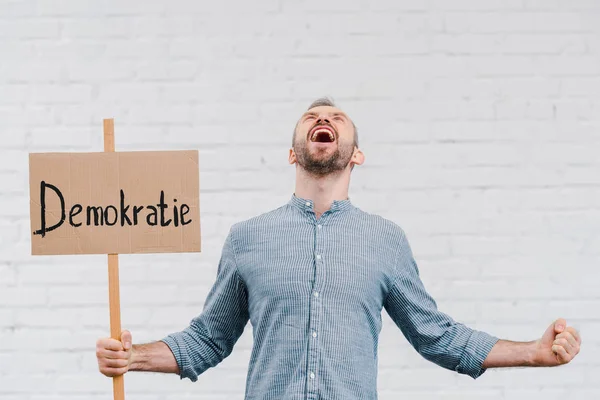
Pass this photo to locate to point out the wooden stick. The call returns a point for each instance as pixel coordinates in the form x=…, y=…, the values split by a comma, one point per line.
x=113, y=275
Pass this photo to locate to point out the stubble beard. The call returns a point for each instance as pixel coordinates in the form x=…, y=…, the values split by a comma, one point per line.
x=318, y=165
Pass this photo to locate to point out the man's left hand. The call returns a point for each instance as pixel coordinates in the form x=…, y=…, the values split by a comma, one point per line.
x=559, y=345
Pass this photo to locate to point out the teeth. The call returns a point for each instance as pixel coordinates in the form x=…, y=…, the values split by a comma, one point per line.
x=314, y=135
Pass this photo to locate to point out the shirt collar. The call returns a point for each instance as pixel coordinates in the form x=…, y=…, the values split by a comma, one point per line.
x=308, y=205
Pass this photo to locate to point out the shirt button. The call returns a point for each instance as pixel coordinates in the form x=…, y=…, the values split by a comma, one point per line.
x=319, y=226
x=316, y=294
x=308, y=203
x=318, y=256
x=314, y=334
x=312, y=375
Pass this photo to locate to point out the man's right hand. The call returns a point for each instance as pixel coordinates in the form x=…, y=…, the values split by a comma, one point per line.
x=114, y=356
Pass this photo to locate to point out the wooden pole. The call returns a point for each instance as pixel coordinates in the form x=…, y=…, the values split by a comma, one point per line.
x=113, y=275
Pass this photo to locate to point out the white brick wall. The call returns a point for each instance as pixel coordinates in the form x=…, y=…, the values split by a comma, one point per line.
x=479, y=119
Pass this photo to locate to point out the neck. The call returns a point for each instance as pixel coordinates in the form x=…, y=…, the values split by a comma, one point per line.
x=322, y=190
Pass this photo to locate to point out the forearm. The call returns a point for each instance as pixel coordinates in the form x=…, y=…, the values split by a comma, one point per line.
x=153, y=357
x=511, y=354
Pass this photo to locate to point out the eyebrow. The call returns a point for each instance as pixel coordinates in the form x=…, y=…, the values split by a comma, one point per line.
x=335, y=114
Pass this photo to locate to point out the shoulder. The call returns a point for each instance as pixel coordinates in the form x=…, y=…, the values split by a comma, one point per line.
x=381, y=225
x=259, y=223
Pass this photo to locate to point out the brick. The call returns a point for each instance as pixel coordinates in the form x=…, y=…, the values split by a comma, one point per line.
x=111, y=27
x=30, y=28
x=402, y=5
x=103, y=70
x=23, y=296
x=312, y=5
x=58, y=94
x=474, y=5
x=47, y=139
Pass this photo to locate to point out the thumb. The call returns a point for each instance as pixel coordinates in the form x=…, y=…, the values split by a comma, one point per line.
x=126, y=339
x=560, y=325
x=552, y=330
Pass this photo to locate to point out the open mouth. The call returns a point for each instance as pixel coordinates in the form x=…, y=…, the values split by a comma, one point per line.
x=322, y=134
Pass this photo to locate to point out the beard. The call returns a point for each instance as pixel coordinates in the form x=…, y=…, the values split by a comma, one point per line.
x=317, y=164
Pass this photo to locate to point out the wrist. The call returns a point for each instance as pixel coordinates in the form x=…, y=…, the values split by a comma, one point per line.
x=135, y=360
x=532, y=354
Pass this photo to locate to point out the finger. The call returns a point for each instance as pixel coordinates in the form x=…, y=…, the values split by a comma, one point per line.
x=115, y=363
x=111, y=372
x=113, y=355
x=569, y=337
x=559, y=325
x=564, y=343
x=561, y=353
x=109, y=344
x=575, y=334
x=126, y=339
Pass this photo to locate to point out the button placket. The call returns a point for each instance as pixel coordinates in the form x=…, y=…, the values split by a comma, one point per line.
x=313, y=359
x=316, y=308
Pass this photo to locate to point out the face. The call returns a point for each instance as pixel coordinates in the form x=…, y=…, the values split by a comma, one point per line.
x=324, y=141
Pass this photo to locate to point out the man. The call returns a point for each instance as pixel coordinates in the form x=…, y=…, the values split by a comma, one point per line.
x=313, y=277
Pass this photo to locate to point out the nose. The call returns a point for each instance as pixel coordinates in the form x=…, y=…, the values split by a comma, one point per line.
x=322, y=120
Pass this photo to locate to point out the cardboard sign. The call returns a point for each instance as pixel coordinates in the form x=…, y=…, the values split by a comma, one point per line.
x=114, y=203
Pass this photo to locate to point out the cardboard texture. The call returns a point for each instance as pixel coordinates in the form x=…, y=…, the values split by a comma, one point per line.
x=111, y=202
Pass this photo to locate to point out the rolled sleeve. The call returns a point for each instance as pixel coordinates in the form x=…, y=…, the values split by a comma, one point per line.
x=476, y=351
x=184, y=368
x=211, y=336
x=434, y=334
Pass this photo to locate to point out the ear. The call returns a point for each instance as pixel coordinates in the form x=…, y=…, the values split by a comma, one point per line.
x=292, y=157
x=358, y=158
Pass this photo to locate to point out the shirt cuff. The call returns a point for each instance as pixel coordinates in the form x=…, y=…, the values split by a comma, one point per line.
x=184, y=368
x=476, y=351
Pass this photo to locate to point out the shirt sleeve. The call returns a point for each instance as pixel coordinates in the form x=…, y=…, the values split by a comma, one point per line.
x=210, y=337
x=435, y=335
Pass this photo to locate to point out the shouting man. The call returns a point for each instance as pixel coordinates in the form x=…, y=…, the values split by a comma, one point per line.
x=313, y=277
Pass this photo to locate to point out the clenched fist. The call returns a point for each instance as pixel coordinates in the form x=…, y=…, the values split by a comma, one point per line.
x=114, y=357
x=559, y=344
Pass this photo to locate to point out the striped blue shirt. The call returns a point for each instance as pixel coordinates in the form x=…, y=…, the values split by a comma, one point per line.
x=313, y=290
